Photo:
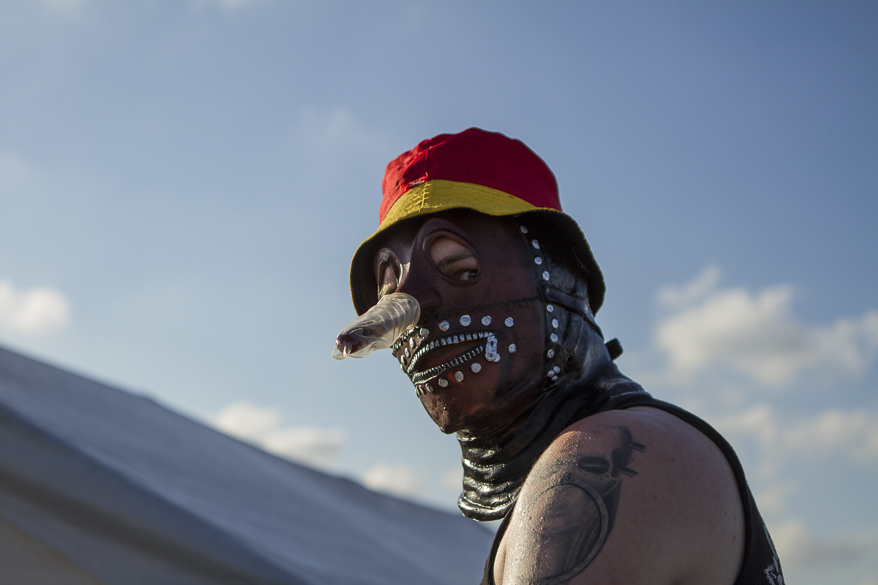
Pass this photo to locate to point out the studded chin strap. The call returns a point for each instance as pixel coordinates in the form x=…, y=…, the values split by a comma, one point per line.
x=414, y=343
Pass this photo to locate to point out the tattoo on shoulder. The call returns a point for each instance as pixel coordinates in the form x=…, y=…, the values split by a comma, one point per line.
x=569, y=513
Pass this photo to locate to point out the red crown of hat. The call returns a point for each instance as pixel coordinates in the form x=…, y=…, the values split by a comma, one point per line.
x=484, y=171
x=473, y=157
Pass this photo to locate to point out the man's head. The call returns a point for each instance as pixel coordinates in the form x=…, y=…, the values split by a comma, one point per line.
x=479, y=346
x=471, y=226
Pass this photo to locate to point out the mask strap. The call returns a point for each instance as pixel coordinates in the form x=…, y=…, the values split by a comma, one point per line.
x=572, y=303
x=580, y=306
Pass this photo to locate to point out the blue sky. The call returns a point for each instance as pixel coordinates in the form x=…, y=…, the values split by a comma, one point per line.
x=182, y=185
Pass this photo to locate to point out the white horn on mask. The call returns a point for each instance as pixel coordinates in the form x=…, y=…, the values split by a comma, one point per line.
x=377, y=328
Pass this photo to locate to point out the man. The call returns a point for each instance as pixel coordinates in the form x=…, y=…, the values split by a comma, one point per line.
x=596, y=481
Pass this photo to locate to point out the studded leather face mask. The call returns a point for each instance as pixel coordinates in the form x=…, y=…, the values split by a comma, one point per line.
x=480, y=345
x=506, y=352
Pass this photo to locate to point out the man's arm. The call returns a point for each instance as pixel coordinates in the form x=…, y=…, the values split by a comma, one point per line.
x=631, y=497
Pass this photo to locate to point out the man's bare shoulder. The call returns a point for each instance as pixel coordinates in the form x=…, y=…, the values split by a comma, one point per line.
x=634, y=496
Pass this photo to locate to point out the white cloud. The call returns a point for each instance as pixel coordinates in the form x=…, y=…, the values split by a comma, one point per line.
x=312, y=445
x=851, y=434
x=758, y=421
x=694, y=290
x=773, y=500
x=318, y=447
x=755, y=334
x=245, y=420
x=35, y=310
x=397, y=479
x=798, y=547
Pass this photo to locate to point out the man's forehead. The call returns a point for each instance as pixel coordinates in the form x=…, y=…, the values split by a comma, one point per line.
x=461, y=220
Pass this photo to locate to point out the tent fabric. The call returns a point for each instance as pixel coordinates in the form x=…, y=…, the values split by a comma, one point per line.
x=25, y=560
x=124, y=491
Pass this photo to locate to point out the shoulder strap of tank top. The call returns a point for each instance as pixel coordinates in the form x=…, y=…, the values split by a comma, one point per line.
x=756, y=552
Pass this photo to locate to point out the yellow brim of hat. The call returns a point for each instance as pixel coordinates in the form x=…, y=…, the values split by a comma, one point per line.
x=439, y=195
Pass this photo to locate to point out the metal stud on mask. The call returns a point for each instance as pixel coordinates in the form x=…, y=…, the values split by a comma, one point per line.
x=546, y=277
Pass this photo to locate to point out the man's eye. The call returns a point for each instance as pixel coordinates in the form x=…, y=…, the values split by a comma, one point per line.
x=453, y=259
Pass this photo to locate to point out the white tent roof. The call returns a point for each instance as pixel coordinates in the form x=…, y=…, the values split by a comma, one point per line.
x=114, y=488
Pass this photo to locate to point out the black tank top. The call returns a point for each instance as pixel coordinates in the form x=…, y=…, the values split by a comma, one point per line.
x=760, y=565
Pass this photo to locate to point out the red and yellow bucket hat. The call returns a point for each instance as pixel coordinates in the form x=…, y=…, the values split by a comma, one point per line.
x=484, y=171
